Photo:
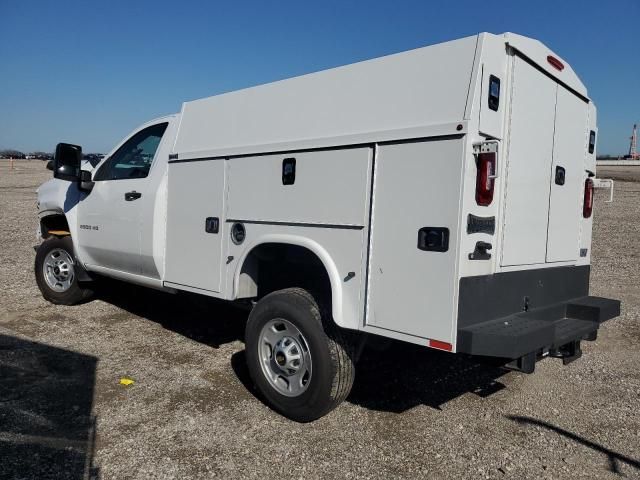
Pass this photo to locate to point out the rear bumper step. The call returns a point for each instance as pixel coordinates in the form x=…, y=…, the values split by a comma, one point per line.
x=549, y=328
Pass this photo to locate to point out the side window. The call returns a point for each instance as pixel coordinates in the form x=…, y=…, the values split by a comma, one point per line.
x=133, y=159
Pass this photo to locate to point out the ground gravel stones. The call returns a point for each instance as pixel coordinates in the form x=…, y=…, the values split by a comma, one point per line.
x=192, y=413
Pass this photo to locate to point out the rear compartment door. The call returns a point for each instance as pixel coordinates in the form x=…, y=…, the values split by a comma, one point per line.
x=569, y=147
x=529, y=166
x=547, y=144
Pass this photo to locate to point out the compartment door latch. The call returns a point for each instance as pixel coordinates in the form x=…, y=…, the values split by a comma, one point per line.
x=480, y=252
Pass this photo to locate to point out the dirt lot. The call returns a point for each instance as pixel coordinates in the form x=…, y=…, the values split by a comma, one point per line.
x=620, y=173
x=191, y=413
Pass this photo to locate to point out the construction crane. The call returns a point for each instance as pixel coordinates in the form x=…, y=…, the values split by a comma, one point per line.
x=633, y=144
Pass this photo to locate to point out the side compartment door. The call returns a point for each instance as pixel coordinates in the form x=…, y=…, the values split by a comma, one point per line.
x=533, y=101
x=195, y=224
x=414, y=232
x=567, y=173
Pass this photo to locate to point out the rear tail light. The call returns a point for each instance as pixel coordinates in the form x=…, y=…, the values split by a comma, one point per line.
x=587, y=206
x=485, y=179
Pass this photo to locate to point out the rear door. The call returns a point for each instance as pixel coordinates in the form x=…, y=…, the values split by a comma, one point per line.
x=565, y=198
x=547, y=144
x=529, y=166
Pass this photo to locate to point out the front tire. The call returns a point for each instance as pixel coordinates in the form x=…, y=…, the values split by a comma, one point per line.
x=300, y=361
x=56, y=272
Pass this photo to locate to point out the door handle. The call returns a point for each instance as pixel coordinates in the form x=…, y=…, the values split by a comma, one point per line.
x=212, y=225
x=133, y=195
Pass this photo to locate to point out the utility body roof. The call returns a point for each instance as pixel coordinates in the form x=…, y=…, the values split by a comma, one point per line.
x=417, y=93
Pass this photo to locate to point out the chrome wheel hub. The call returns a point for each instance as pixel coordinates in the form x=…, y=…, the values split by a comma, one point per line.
x=285, y=357
x=58, y=270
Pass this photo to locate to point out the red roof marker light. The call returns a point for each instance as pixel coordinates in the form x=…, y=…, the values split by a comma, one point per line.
x=555, y=63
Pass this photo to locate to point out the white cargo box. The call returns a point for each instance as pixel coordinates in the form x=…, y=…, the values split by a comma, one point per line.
x=383, y=149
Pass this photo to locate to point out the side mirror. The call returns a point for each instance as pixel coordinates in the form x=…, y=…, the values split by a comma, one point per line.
x=50, y=165
x=66, y=163
x=85, y=181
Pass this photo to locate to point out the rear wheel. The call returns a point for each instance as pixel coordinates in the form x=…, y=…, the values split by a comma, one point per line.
x=298, y=358
x=56, y=272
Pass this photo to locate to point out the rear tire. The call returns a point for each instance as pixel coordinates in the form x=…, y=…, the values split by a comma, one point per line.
x=56, y=273
x=300, y=361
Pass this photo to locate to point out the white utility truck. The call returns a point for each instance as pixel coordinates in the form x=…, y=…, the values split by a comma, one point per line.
x=441, y=196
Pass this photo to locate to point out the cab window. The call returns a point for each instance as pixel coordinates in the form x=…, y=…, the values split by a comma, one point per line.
x=134, y=158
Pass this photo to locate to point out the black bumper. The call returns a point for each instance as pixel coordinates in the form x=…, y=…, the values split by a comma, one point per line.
x=518, y=313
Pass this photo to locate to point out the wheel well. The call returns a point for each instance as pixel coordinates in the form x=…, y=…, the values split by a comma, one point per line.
x=53, y=223
x=274, y=266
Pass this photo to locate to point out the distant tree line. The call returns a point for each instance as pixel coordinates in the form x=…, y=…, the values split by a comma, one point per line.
x=12, y=154
x=610, y=157
x=17, y=154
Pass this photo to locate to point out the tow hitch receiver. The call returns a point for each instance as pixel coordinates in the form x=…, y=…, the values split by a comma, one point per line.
x=527, y=363
x=568, y=352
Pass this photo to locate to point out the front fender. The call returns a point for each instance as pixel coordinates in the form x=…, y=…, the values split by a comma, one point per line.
x=57, y=196
x=60, y=197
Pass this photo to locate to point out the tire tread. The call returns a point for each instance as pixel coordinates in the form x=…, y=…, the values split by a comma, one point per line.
x=341, y=348
x=77, y=293
x=339, y=343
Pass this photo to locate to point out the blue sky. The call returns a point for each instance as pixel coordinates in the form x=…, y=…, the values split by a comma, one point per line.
x=89, y=72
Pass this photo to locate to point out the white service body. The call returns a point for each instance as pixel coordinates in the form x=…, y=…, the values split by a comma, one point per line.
x=382, y=149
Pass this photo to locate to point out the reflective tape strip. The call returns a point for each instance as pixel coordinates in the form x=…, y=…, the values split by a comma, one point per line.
x=440, y=345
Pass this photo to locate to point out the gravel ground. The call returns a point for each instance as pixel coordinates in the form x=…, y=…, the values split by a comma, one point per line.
x=620, y=173
x=191, y=413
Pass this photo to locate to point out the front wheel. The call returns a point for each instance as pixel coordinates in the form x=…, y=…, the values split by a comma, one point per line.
x=56, y=272
x=298, y=358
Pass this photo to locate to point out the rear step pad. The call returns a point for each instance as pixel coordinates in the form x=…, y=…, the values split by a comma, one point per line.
x=526, y=332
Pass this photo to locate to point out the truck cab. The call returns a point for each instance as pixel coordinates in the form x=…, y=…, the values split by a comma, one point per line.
x=113, y=216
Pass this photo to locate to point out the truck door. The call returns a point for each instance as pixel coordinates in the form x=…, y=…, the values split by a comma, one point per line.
x=529, y=166
x=109, y=217
x=567, y=173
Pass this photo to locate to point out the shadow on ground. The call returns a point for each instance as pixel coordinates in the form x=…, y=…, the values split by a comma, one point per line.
x=613, y=457
x=47, y=429
x=202, y=319
x=390, y=376
x=401, y=376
